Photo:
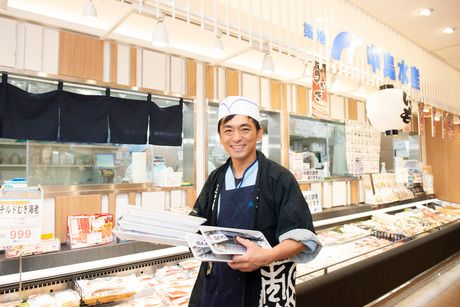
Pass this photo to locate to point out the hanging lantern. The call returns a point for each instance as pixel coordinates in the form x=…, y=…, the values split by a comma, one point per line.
x=389, y=109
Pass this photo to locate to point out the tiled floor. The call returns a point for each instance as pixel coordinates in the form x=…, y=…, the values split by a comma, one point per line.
x=440, y=290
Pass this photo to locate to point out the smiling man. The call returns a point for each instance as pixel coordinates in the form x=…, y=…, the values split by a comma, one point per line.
x=252, y=192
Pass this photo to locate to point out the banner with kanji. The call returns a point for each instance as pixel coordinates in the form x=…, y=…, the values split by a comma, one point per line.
x=20, y=215
x=421, y=119
x=433, y=125
x=320, y=104
x=443, y=124
x=450, y=126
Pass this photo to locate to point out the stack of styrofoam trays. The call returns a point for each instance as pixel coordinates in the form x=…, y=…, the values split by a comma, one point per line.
x=156, y=226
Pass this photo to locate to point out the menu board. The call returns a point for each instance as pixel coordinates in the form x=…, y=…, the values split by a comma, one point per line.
x=363, y=148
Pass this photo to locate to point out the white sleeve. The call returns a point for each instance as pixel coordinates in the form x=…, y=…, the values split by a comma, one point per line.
x=309, y=239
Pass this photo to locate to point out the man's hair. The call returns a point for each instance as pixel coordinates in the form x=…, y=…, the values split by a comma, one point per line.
x=228, y=118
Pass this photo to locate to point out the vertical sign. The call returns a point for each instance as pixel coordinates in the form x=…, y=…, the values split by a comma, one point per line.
x=320, y=105
x=450, y=126
x=433, y=126
x=421, y=119
x=20, y=215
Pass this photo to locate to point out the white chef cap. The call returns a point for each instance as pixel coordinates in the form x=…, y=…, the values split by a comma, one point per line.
x=238, y=105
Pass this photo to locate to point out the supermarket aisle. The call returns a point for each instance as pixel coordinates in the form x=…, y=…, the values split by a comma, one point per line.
x=439, y=291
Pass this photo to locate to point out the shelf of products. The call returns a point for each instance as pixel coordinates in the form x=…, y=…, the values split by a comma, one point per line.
x=389, y=230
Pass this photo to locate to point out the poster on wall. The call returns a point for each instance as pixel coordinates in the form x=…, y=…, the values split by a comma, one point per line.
x=320, y=105
x=433, y=126
x=421, y=119
x=449, y=126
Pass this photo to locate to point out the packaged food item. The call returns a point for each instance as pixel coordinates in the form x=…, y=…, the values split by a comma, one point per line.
x=10, y=302
x=153, y=300
x=44, y=246
x=67, y=298
x=190, y=264
x=89, y=230
x=106, y=289
x=42, y=300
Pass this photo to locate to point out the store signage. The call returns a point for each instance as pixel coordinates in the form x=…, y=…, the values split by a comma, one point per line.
x=308, y=32
x=20, y=215
x=346, y=40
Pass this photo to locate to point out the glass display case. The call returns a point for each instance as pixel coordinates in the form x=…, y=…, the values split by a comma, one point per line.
x=317, y=145
x=270, y=145
x=348, y=249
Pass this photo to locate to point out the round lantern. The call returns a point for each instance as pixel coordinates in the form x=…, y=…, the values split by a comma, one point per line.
x=389, y=109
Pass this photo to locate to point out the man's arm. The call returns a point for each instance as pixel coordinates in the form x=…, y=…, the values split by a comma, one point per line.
x=256, y=257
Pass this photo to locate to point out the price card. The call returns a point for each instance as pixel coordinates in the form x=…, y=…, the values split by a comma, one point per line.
x=20, y=215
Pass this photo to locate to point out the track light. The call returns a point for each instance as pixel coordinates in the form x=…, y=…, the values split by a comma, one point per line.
x=3, y=6
x=308, y=69
x=90, y=9
x=425, y=12
x=160, y=35
x=267, y=63
x=218, y=45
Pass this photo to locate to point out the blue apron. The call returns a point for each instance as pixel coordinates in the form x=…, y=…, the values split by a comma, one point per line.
x=225, y=286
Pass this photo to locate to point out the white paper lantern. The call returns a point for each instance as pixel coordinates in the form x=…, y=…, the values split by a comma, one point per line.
x=389, y=109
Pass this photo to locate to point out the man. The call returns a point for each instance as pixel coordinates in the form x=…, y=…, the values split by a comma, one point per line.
x=252, y=192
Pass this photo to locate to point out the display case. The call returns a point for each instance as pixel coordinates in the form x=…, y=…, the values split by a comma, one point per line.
x=317, y=148
x=353, y=280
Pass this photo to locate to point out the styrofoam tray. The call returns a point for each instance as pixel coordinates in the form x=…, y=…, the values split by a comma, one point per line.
x=137, y=236
x=163, y=216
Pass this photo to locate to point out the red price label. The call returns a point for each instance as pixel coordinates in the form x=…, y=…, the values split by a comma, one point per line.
x=20, y=234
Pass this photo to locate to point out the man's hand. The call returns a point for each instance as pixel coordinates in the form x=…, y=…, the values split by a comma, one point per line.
x=254, y=258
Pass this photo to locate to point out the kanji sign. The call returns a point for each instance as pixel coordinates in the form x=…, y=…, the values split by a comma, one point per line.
x=20, y=216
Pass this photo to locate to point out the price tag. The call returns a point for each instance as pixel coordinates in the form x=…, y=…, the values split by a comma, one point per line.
x=20, y=216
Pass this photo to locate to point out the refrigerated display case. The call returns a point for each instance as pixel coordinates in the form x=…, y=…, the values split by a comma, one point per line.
x=376, y=267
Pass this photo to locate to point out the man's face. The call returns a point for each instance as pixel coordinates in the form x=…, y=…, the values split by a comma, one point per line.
x=239, y=137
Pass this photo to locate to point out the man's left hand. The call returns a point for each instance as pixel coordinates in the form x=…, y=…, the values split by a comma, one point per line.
x=254, y=258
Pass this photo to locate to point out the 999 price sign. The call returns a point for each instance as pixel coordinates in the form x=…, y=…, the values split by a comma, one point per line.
x=20, y=216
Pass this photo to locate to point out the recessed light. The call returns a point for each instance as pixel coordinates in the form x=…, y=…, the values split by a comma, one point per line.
x=425, y=12
x=448, y=30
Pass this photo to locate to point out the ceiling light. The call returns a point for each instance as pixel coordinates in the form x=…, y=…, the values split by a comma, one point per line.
x=160, y=36
x=267, y=64
x=308, y=69
x=448, y=30
x=425, y=12
x=90, y=9
x=456, y=120
x=218, y=45
x=426, y=109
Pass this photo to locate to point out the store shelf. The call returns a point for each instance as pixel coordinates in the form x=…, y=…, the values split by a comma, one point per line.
x=336, y=215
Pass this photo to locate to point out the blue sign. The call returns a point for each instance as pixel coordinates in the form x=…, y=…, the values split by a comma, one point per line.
x=389, y=66
x=308, y=30
x=341, y=41
x=415, y=77
x=321, y=36
x=402, y=76
x=373, y=57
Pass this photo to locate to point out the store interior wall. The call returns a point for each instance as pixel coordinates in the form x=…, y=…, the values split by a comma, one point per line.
x=442, y=155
